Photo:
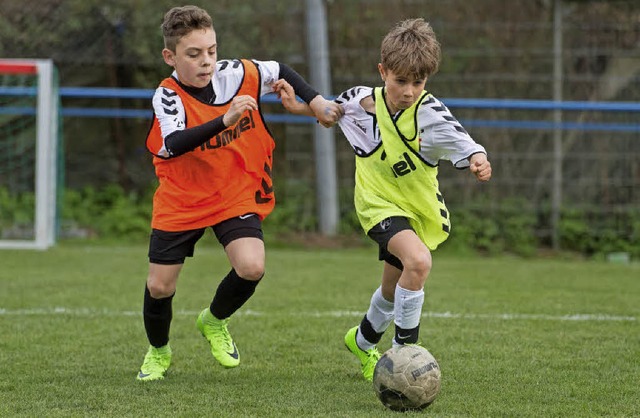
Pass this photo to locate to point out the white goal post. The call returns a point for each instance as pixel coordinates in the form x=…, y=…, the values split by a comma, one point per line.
x=29, y=115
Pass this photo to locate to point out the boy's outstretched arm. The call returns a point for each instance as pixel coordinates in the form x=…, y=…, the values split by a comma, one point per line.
x=480, y=166
x=326, y=111
x=289, y=101
x=332, y=110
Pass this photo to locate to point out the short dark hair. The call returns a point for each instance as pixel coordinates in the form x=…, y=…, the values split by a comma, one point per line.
x=181, y=21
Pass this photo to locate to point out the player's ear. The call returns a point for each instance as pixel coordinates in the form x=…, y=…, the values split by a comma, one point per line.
x=383, y=72
x=169, y=57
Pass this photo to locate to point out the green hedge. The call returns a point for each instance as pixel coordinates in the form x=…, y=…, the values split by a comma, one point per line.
x=512, y=226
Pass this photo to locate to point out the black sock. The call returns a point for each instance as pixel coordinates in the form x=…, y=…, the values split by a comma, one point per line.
x=157, y=314
x=367, y=331
x=407, y=336
x=232, y=293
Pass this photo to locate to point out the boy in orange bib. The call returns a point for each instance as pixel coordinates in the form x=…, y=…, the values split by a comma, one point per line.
x=213, y=157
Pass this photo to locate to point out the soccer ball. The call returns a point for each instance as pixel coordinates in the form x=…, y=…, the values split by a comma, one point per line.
x=407, y=378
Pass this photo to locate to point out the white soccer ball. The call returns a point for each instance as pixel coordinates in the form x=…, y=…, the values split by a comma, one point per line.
x=407, y=378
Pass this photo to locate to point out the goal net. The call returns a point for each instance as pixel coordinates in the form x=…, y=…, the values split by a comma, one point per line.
x=29, y=123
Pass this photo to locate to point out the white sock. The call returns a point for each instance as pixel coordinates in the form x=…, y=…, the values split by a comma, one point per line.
x=408, y=308
x=380, y=315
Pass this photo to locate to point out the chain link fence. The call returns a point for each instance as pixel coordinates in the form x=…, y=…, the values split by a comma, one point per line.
x=491, y=50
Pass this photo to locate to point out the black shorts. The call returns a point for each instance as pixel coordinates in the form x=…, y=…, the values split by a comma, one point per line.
x=173, y=247
x=383, y=232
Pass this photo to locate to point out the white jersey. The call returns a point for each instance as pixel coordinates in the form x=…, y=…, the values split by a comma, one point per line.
x=441, y=135
x=226, y=81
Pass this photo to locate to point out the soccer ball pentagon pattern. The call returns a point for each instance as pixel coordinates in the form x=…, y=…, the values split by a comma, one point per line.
x=407, y=378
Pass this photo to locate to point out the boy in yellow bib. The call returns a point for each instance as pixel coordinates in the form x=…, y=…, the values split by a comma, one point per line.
x=399, y=134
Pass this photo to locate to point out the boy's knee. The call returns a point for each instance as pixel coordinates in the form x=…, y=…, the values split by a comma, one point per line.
x=419, y=264
x=159, y=289
x=251, y=270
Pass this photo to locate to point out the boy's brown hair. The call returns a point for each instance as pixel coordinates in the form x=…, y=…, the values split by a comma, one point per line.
x=181, y=21
x=411, y=49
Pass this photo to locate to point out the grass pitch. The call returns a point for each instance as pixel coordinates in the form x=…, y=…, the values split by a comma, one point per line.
x=513, y=337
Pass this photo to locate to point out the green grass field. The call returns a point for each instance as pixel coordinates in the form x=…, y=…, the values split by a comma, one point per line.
x=521, y=338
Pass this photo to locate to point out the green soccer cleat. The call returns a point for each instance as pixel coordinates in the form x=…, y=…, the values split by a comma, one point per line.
x=368, y=359
x=155, y=365
x=215, y=331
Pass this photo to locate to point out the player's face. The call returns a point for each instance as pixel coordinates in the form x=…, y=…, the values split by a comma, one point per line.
x=401, y=91
x=195, y=57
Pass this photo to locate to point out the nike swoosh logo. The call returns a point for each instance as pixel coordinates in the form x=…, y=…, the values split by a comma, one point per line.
x=403, y=337
x=143, y=375
x=246, y=216
x=234, y=354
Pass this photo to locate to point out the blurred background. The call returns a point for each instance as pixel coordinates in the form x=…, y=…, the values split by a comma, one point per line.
x=550, y=88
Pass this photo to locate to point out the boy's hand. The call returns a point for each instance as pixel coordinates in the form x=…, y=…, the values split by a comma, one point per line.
x=239, y=105
x=480, y=166
x=288, y=97
x=326, y=111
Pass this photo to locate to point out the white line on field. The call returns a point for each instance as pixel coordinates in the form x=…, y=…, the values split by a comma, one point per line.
x=322, y=314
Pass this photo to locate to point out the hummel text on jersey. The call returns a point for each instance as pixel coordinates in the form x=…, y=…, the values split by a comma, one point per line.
x=227, y=136
x=360, y=125
x=403, y=167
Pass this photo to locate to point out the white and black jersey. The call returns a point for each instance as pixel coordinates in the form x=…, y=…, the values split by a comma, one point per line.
x=225, y=84
x=441, y=135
